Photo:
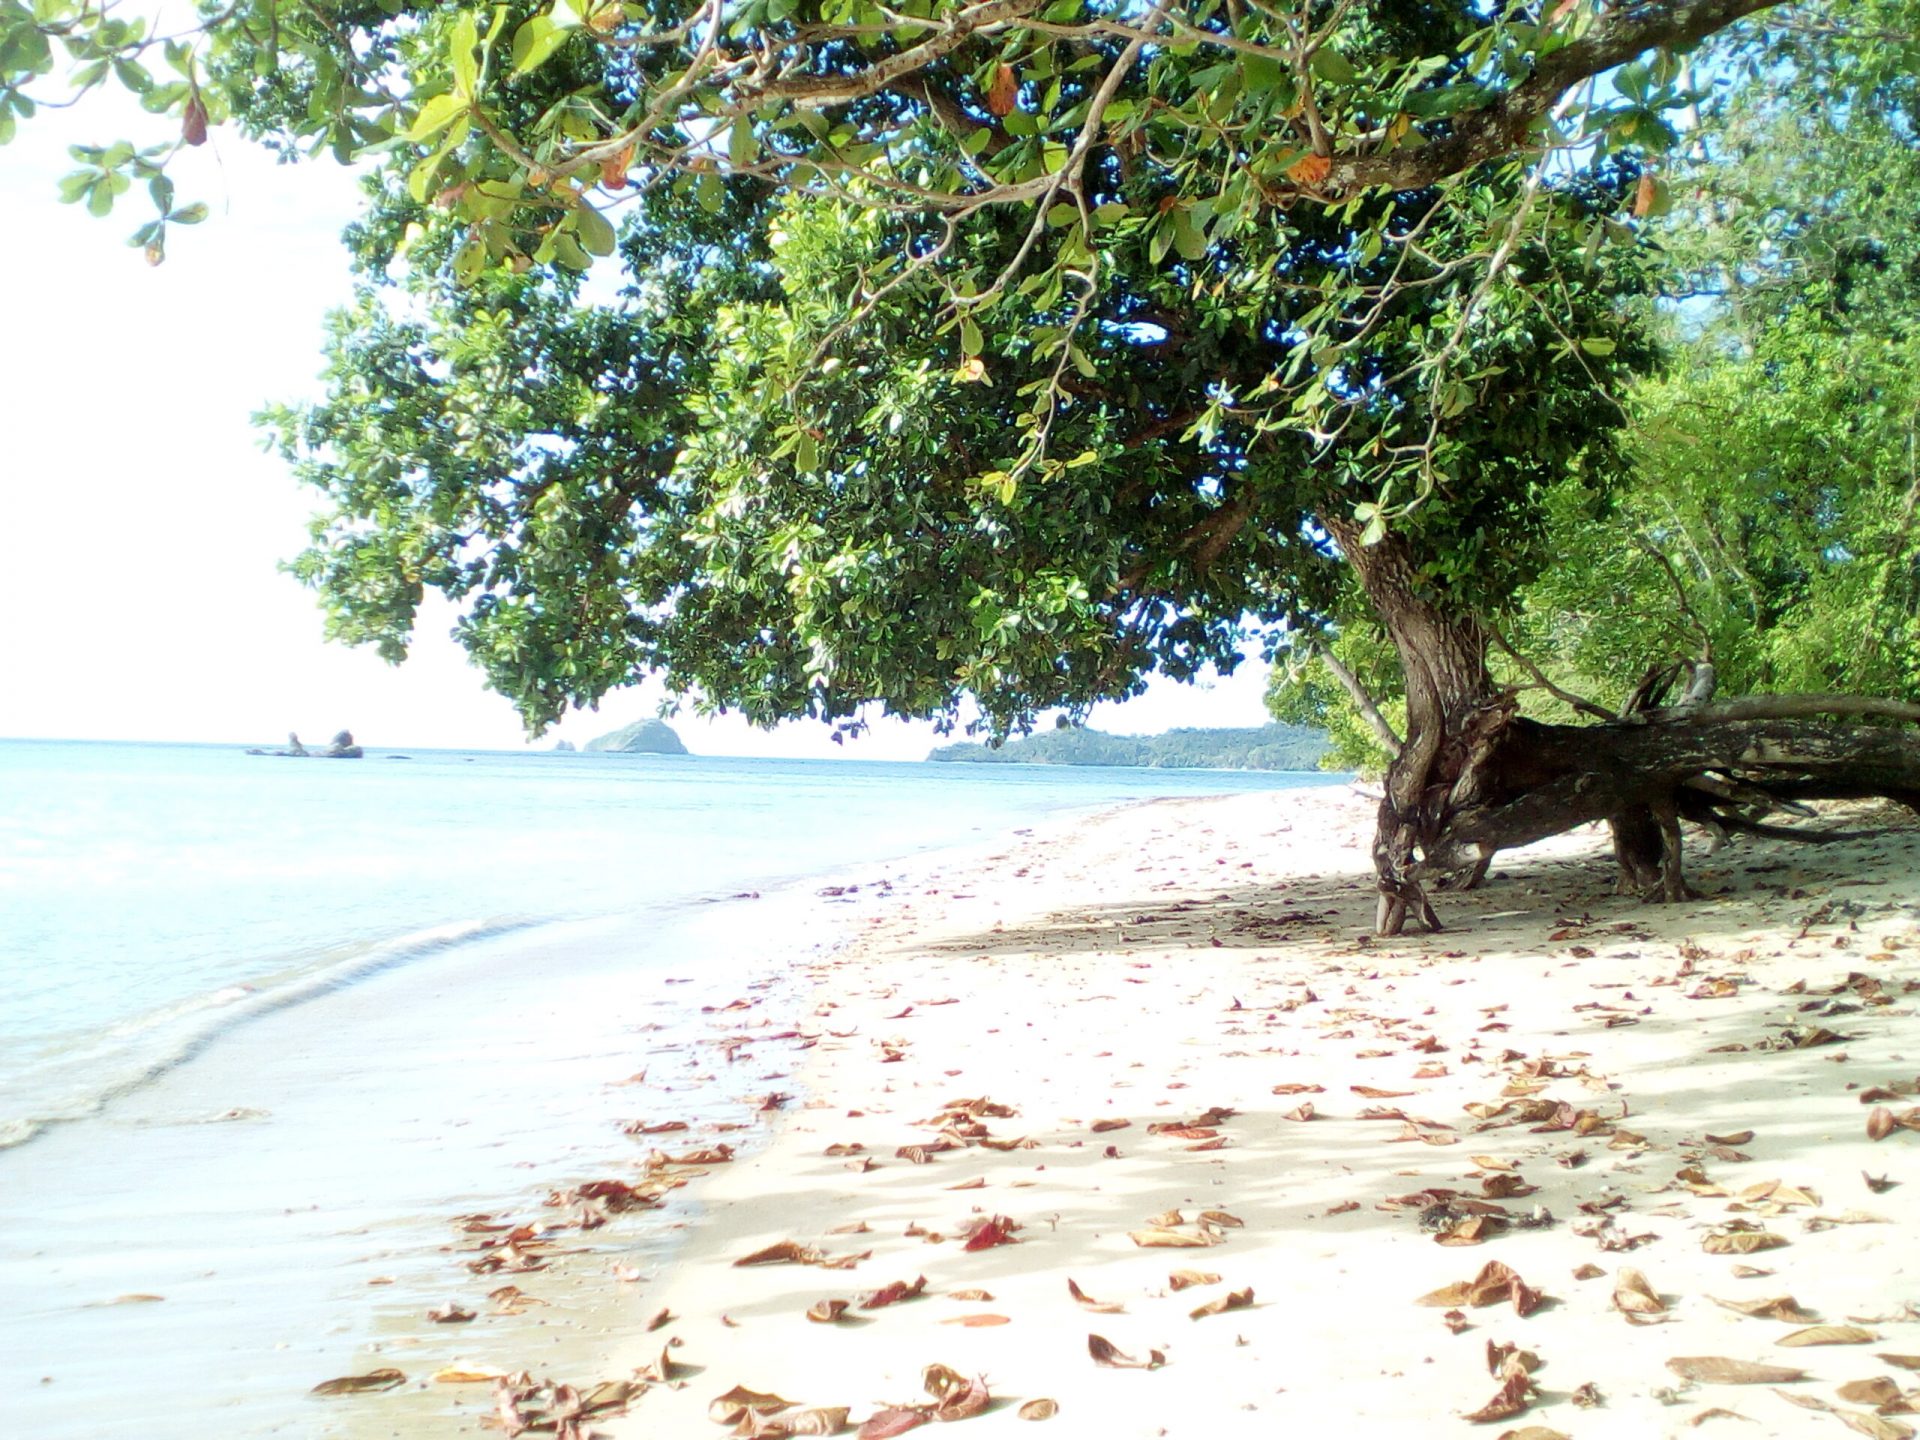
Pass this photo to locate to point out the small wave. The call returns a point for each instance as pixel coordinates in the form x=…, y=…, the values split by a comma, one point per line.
x=134, y=1053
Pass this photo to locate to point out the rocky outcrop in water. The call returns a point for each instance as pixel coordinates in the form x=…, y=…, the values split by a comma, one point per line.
x=643, y=737
x=341, y=747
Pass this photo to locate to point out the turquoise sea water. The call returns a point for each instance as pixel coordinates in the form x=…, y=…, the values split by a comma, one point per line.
x=270, y=1025
x=153, y=897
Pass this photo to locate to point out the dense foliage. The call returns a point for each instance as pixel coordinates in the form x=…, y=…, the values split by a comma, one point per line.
x=1268, y=747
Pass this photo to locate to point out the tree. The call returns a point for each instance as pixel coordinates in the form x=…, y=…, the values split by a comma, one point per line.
x=1002, y=349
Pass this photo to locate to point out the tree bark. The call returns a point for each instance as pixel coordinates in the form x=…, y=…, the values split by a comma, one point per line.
x=1473, y=777
x=1443, y=657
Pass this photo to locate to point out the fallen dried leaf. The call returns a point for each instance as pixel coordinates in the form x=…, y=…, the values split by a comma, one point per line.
x=1829, y=1335
x=968, y=1295
x=1880, y=1123
x=1741, y=1242
x=892, y=1294
x=1104, y=1352
x=1182, y=1279
x=1718, y=1370
x=1632, y=1295
x=1102, y=1127
x=977, y=1322
x=883, y=1424
x=995, y=1230
x=1513, y=1397
x=1170, y=1239
x=826, y=1312
x=1039, y=1410
x=1234, y=1300
x=1739, y=1137
x=370, y=1383
x=786, y=1252
x=1778, y=1307
x=449, y=1314
x=737, y=1403
x=1087, y=1302
x=1880, y=1390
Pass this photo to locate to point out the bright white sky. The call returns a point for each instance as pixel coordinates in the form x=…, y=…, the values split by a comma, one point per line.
x=143, y=522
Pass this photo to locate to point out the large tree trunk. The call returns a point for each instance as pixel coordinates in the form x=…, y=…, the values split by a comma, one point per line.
x=1473, y=777
x=1443, y=656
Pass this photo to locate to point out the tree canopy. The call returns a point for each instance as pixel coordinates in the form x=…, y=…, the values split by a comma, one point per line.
x=999, y=353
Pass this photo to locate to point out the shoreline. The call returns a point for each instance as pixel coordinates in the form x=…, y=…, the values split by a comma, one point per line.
x=1164, y=963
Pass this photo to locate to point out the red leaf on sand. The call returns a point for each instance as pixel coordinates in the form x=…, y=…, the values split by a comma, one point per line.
x=372, y=1381
x=893, y=1421
x=893, y=1294
x=997, y=1230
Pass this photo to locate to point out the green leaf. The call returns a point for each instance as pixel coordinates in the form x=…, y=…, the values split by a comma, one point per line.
x=806, y=457
x=743, y=147
x=535, y=43
x=971, y=340
x=1598, y=345
x=1330, y=65
x=438, y=113
x=463, y=35
x=189, y=214
x=595, y=233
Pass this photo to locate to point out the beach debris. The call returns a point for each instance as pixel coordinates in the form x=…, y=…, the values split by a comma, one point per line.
x=977, y=1322
x=826, y=1312
x=1829, y=1335
x=1515, y=1395
x=1633, y=1296
x=1171, y=1239
x=783, y=1252
x=1881, y=1123
x=955, y=1396
x=1880, y=1390
x=1087, y=1302
x=975, y=1295
x=1778, y=1307
x=895, y=1420
x=739, y=1402
x=1103, y=1127
x=659, y=1317
x=136, y=1298
x=994, y=1230
x=1233, y=1300
x=1300, y=1113
x=1187, y=1277
x=463, y=1375
x=449, y=1314
x=892, y=1294
x=663, y=1127
x=660, y=1369
x=1740, y=1238
x=1900, y=1362
x=1495, y=1282
x=1041, y=1409
x=370, y=1383
x=1719, y=1370
x=512, y=1300
x=1105, y=1352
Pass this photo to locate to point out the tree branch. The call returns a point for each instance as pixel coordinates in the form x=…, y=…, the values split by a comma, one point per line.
x=1500, y=126
x=1363, y=702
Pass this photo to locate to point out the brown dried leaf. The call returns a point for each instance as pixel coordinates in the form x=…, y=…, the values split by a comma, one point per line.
x=1829, y=1335
x=1087, y=1302
x=1739, y=1137
x=826, y=1312
x=370, y=1383
x=1718, y=1370
x=737, y=1403
x=1104, y=1352
x=1301, y=1113
x=1372, y=1093
x=785, y=1252
x=956, y=1402
x=1876, y=1427
x=971, y=1295
x=1880, y=1123
x=1169, y=1239
x=978, y=1182
x=1234, y=1300
x=1742, y=1242
x=1778, y=1307
x=1513, y=1397
x=1042, y=1409
x=1182, y=1279
x=1102, y=1127
x=822, y=1420
x=1299, y=1089
x=1221, y=1218
x=449, y=1314
x=1534, y=1432
x=1880, y=1390
x=1902, y=1362
x=1632, y=1295
x=977, y=1322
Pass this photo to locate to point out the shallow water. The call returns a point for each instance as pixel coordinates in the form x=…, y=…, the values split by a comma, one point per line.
x=289, y=1018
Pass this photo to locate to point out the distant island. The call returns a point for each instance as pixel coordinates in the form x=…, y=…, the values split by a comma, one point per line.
x=1267, y=747
x=643, y=737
